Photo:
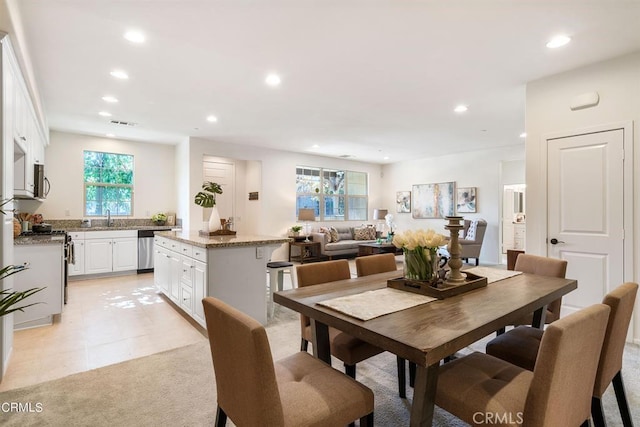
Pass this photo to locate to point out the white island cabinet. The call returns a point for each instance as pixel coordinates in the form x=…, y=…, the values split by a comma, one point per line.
x=189, y=267
x=45, y=269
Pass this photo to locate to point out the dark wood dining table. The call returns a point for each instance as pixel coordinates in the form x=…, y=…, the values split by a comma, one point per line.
x=427, y=333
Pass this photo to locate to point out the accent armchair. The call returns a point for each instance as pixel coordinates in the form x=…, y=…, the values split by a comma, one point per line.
x=471, y=239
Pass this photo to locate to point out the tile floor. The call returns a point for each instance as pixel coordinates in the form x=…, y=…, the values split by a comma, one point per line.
x=106, y=321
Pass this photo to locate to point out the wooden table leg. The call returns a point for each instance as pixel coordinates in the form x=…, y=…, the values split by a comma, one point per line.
x=320, y=335
x=424, y=396
x=539, y=317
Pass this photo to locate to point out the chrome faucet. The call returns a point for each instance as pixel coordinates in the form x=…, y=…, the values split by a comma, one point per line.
x=109, y=221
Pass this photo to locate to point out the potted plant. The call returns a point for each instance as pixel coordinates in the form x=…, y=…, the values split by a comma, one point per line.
x=296, y=230
x=207, y=199
x=159, y=218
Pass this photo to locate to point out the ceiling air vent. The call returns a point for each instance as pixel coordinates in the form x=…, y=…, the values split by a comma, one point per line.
x=122, y=123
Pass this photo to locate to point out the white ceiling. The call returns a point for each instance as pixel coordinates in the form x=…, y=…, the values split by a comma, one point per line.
x=368, y=78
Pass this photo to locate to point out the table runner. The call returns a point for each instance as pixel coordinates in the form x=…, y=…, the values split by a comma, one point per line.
x=371, y=304
x=492, y=274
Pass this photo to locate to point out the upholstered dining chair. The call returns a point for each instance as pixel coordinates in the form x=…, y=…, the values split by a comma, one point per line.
x=254, y=391
x=520, y=346
x=374, y=264
x=382, y=263
x=556, y=393
x=542, y=266
x=348, y=349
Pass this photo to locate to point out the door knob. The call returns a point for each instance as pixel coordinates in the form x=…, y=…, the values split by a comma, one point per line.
x=555, y=241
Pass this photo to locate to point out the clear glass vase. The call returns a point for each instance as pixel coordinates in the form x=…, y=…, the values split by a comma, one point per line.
x=421, y=264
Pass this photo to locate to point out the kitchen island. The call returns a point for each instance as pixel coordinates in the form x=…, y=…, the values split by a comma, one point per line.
x=189, y=267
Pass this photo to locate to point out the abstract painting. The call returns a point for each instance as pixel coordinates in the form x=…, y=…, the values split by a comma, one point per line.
x=466, y=200
x=403, y=201
x=433, y=200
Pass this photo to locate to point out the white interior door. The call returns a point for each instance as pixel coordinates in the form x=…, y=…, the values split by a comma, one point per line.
x=223, y=174
x=585, y=179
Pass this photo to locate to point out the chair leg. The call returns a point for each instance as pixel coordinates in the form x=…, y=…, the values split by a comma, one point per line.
x=304, y=345
x=367, y=420
x=500, y=331
x=350, y=370
x=221, y=417
x=412, y=374
x=596, y=412
x=477, y=261
x=402, y=377
x=618, y=387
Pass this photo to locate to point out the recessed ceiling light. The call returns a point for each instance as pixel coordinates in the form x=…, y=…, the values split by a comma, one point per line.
x=110, y=135
x=386, y=158
x=134, y=36
x=460, y=109
x=119, y=74
x=558, y=41
x=273, y=80
x=212, y=119
x=104, y=114
x=315, y=146
x=523, y=135
x=110, y=99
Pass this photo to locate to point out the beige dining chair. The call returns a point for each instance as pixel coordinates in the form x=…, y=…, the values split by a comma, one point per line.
x=348, y=349
x=298, y=390
x=556, y=393
x=542, y=266
x=520, y=346
x=374, y=264
x=382, y=263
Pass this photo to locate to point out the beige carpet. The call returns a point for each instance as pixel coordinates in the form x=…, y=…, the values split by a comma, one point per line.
x=176, y=388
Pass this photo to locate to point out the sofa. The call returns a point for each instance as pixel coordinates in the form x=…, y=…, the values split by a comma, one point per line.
x=347, y=242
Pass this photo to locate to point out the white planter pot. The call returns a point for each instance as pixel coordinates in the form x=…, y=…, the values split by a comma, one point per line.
x=214, y=219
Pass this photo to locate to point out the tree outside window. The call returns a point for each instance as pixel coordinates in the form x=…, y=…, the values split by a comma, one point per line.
x=108, y=184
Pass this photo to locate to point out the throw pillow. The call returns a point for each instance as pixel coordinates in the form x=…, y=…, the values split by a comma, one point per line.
x=327, y=234
x=471, y=232
x=334, y=234
x=365, y=233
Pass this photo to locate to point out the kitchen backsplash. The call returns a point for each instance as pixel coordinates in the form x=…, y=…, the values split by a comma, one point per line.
x=61, y=224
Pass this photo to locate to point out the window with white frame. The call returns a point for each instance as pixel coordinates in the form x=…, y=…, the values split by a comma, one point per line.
x=108, y=184
x=335, y=195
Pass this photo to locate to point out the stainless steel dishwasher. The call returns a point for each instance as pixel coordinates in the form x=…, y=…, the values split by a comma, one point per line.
x=145, y=249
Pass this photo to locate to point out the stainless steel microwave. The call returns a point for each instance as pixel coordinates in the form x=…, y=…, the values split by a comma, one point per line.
x=41, y=184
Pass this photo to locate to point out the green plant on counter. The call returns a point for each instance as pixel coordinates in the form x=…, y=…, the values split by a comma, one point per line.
x=207, y=197
x=159, y=218
x=296, y=228
x=9, y=298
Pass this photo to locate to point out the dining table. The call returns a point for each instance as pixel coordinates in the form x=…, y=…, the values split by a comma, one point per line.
x=427, y=333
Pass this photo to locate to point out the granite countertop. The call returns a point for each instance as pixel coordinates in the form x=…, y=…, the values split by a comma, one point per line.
x=43, y=239
x=193, y=238
x=132, y=227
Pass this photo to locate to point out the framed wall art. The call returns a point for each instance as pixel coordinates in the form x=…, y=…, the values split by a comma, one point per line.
x=433, y=200
x=466, y=200
x=403, y=201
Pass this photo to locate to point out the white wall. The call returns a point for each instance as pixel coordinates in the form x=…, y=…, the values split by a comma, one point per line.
x=154, y=175
x=481, y=169
x=548, y=100
x=273, y=174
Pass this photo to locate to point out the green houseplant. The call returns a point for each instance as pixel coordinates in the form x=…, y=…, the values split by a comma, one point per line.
x=207, y=199
x=9, y=298
x=296, y=229
x=159, y=218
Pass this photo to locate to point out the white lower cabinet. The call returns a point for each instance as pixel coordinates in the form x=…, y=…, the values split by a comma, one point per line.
x=110, y=251
x=181, y=276
x=77, y=268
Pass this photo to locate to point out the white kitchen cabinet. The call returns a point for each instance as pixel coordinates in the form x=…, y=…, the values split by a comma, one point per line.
x=110, y=251
x=77, y=268
x=45, y=269
x=519, y=233
x=180, y=272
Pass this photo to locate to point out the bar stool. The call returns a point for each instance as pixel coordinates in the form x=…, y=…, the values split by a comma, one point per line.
x=276, y=271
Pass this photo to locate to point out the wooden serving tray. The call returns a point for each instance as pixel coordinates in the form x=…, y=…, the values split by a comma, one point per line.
x=442, y=291
x=217, y=233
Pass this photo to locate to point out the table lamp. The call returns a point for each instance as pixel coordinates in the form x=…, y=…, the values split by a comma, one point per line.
x=378, y=215
x=306, y=215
